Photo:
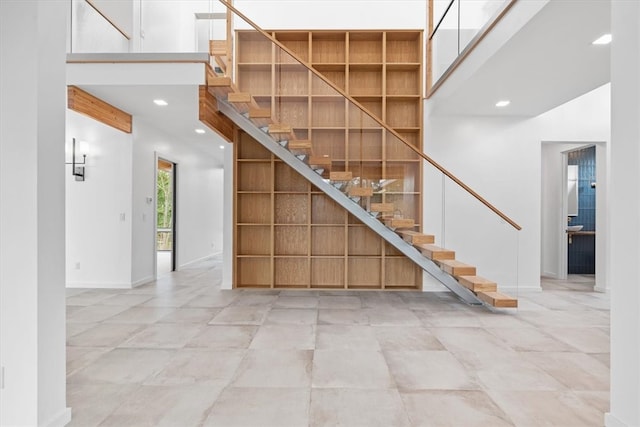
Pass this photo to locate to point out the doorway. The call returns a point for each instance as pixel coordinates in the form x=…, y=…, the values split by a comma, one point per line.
x=165, y=216
x=588, y=222
x=581, y=211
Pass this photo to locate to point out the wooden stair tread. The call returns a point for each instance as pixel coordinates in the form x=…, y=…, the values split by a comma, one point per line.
x=361, y=192
x=478, y=284
x=435, y=253
x=320, y=160
x=279, y=128
x=497, y=299
x=299, y=145
x=217, y=47
x=397, y=223
x=239, y=97
x=415, y=237
x=382, y=207
x=457, y=268
x=259, y=113
x=341, y=176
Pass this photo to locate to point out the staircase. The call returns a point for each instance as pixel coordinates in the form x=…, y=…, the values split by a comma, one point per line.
x=353, y=193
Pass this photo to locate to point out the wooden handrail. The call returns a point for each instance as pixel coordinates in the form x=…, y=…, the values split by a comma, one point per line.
x=376, y=119
x=109, y=20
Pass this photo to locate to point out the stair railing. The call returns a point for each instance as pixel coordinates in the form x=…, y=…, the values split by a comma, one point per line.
x=339, y=90
x=331, y=131
x=455, y=31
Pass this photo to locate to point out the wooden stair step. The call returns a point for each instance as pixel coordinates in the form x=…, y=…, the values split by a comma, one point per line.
x=217, y=47
x=398, y=223
x=298, y=146
x=259, y=113
x=239, y=97
x=382, y=207
x=279, y=128
x=497, y=299
x=478, y=284
x=415, y=237
x=320, y=161
x=360, y=192
x=217, y=81
x=435, y=253
x=457, y=268
x=341, y=176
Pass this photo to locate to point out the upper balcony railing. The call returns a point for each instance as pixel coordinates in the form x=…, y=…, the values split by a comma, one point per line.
x=455, y=28
x=145, y=27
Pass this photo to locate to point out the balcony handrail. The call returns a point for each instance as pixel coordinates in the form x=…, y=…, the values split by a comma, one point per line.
x=487, y=27
x=376, y=119
x=109, y=20
x=435, y=30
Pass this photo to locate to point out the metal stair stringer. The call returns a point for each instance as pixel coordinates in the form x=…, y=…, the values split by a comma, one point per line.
x=374, y=224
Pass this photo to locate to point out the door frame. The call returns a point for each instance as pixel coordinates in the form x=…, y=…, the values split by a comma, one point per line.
x=174, y=222
x=564, y=253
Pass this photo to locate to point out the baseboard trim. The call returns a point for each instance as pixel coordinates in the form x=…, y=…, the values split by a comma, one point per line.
x=142, y=281
x=99, y=285
x=611, y=421
x=60, y=420
x=187, y=264
x=601, y=289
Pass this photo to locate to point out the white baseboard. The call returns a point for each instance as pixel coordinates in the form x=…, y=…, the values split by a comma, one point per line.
x=601, y=289
x=99, y=285
x=611, y=421
x=142, y=281
x=187, y=264
x=59, y=420
x=549, y=275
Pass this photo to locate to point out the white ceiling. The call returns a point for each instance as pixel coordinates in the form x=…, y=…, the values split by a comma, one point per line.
x=179, y=119
x=548, y=62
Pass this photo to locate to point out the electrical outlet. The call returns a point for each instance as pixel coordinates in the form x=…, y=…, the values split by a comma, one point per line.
x=77, y=266
x=122, y=216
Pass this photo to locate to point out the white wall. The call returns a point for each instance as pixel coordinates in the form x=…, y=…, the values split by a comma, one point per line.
x=98, y=210
x=32, y=295
x=585, y=121
x=553, y=220
x=500, y=158
x=624, y=216
x=343, y=14
x=495, y=157
x=111, y=225
x=199, y=207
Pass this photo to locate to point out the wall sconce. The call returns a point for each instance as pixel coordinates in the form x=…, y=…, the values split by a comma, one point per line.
x=77, y=171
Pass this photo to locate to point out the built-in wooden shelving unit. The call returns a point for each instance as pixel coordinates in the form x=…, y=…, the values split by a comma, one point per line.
x=288, y=234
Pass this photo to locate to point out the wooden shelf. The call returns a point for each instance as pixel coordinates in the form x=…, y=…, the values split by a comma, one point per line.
x=328, y=47
x=291, y=240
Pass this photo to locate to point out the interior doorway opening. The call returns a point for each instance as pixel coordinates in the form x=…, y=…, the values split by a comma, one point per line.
x=165, y=216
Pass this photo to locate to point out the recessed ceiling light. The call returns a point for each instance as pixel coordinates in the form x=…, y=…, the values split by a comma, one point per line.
x=160, y=102
x=222, y=147
x=200, y=131
x=503, y=103
x=605, y=39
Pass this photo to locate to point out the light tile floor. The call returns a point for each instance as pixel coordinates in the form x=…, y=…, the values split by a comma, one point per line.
x=180, y=352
